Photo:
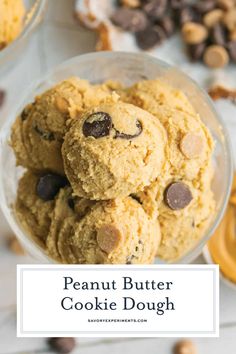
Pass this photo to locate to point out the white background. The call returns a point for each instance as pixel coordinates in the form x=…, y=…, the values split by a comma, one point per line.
x=194, y=293
x=59, y=39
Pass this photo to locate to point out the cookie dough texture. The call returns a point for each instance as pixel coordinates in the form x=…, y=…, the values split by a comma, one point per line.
x=123, y=161
x=38, y=133
x=33, y=213
x=11, y=20
x=112, y=232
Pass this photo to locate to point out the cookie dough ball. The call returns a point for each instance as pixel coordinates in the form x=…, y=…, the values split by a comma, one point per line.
x=190, y=144
x=11, y=20
x=33, y=213
x=112, y=232
x=113, y=150
x=38, y=132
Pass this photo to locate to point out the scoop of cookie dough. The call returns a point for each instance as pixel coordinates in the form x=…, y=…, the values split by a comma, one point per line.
x=112, y=232
x=190, y=144
x=38, y=133
x=113, y=150
x=11, y=20
x=33, y=212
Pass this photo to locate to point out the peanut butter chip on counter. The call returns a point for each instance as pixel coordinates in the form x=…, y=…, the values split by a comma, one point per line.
x=62, y=104
x=15, y=247
x=108, y=237
x=194, y=33
x=178, y=195
x=185, y=347
x=213, y=17
x=216, y=56
x=191, y=145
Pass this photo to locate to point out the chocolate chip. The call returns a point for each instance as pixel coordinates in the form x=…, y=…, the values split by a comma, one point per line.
x=130, y=19
x=155, y=9
x=49, y=185
x=167, y=24
x=129, y=259
x=218, y=34
x=177, y=195
x=2, y=45
x=187, y=14
x=62, y=345
x=136, y=197
x=196, y=51
x=2, y=97
x=232, y=50
x=129, y=136
x=97, y=124
x=46, y=135
x=178, y=4
x=204, y=6
x=150, y=37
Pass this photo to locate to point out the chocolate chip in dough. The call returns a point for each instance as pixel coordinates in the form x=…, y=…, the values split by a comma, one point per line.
x=108, y=238
x=232, y=50
x=129, y=136
x=130, y=19
x=191, y=145
x=178, y=4
x=155, y=9
x=97, y=125
x=49, y=185
x=150, y=37
x=218, y=35
x=2, y=97
x=177, y=195
x=216, y=56
x=45, y=135
x=185, y=347
x=195, y=51
x=62, y=345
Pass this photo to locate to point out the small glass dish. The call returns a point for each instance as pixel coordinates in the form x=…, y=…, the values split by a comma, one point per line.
x=34, y=14
x=126, y=68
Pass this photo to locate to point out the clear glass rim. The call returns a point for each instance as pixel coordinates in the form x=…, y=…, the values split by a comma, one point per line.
x=26, y=31
x=190, y=255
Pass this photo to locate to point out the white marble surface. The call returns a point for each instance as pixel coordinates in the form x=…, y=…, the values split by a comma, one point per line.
x=58, y=39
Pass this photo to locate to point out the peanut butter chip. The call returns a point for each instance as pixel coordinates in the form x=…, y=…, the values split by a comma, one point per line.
x=213, y=17
x=16, y=247
x=62, y=104
x=108, y=238
x=191, y=145
x=185, y=347
x=216, y=56
x=194, y=33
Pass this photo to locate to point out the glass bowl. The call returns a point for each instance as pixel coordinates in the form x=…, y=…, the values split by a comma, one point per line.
x=126, y=68
x=34, y=14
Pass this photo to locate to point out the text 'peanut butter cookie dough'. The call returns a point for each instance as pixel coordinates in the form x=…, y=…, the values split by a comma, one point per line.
x=113, y=150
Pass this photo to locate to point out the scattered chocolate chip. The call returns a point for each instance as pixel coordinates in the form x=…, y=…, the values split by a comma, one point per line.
x=218, y=34
x=97, y=125
x=62, y=345
x=187, y=14
x=204, y=6
x=178, y=4
x=232, y=50
x=2, y=97
x=196, y=51
x=46, y=135
x=129, y=136
x=150, y=37
x=129, y=19
x=136, y=197
x=155, y=9
x=167, y=24
x=177, y=195
x=2, y=45
x=48, y=186
x=129, y=259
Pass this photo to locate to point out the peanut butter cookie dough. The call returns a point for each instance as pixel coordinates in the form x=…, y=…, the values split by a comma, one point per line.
x=37, y=134
x=11, y=20
x=115, y=175
x=113, y=150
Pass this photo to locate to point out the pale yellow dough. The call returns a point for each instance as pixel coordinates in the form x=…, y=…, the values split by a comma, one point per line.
x=111, y=167
x=11, y=20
